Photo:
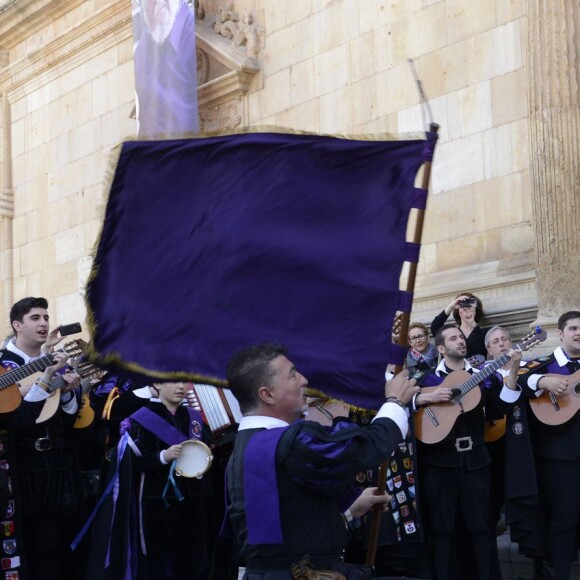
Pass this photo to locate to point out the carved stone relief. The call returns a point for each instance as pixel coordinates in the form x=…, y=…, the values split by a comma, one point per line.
x=222, y=117
x=243, y=32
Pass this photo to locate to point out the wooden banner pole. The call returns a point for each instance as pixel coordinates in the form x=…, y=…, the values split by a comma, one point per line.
x=405, y=318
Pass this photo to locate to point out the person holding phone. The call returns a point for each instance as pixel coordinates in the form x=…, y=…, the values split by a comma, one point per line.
x=44, y=477
x=467, y=311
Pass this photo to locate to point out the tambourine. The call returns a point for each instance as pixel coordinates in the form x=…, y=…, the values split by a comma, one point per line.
x=194, y=460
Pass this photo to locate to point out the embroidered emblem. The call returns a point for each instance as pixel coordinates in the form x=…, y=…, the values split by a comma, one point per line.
x=517, y=412
x=396, y=517
x=405, y=511
x=410, y=527
x=390, y=484
x=9, y=365
x=196, y=428
x=412, y=490
x=10, y=509
x=397, y=481
x=11, y=575
x=410, y=477
x=9, y=547
x=401, y=497
x=8, y=563
x=360, y=477
x=7, y=528
x=394, y=466
x=407, y=463
x=518, y=428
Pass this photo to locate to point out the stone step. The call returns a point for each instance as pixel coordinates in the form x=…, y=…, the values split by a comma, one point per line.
x=515, y=566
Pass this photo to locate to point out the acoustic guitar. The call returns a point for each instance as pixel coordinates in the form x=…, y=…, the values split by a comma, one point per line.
x=434, y=422
x=553, y=409
x=10, y=397
x=85, y=414
x=85, y=370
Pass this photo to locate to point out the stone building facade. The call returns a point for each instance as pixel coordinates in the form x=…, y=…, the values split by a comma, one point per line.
x=502, y=215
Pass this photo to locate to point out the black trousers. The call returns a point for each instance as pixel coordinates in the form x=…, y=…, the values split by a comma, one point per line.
x=559, y=483
x=175, y=539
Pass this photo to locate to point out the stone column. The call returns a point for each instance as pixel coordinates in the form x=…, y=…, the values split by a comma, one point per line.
x=6, y=214
x=554, y=132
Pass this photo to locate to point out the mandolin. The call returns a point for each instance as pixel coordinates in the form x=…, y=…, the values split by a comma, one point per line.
x=434, y=422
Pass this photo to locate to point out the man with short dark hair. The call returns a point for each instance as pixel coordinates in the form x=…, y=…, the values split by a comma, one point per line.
x=289, y=482
x=556, y=447
x=455, y=471
x=39, y=463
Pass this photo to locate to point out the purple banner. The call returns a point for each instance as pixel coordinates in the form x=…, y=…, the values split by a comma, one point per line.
x=165, y=68
x=212, y=244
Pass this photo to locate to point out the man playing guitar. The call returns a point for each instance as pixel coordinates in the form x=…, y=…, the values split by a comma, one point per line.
x=36, y=458
x=455, y=471
x=555, y=443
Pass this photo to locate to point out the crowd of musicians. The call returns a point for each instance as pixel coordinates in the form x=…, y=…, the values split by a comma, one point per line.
x=475, y=436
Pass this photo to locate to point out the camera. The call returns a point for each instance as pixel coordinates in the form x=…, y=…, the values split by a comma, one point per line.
x=467, y=303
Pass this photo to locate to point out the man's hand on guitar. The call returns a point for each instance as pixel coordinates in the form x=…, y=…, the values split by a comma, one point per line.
x=72, y=380
x=440, y=395
x=60, y=360
x=516, y=359
x=401, y=387
x=556, y=385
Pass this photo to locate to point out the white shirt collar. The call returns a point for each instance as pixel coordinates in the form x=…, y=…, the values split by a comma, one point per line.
x=144, y=393
x=260, y=422
x=13, y=348
x=441, y=367
x=561, y=357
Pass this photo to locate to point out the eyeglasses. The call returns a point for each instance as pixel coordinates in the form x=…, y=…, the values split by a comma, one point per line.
x=417, y=337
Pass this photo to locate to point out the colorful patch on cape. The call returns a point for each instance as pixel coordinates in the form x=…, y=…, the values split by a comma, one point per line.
x=7, y=528
x=9, y=365
x=9, y=547
x=10, y=509
x=8, y=563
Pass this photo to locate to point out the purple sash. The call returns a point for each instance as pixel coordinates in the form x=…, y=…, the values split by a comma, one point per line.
x=163, y=430
x=261, y=488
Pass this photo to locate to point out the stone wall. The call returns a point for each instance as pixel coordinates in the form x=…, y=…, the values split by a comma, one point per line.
x=330, y=66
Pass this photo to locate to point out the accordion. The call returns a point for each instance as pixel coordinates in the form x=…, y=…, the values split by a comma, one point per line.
x=219, y=407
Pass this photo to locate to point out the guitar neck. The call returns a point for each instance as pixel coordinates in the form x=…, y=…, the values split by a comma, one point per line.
x=15, y=375
x=59, y=382
x=485, y=372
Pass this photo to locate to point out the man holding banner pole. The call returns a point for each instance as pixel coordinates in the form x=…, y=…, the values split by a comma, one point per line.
x=289, y=482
